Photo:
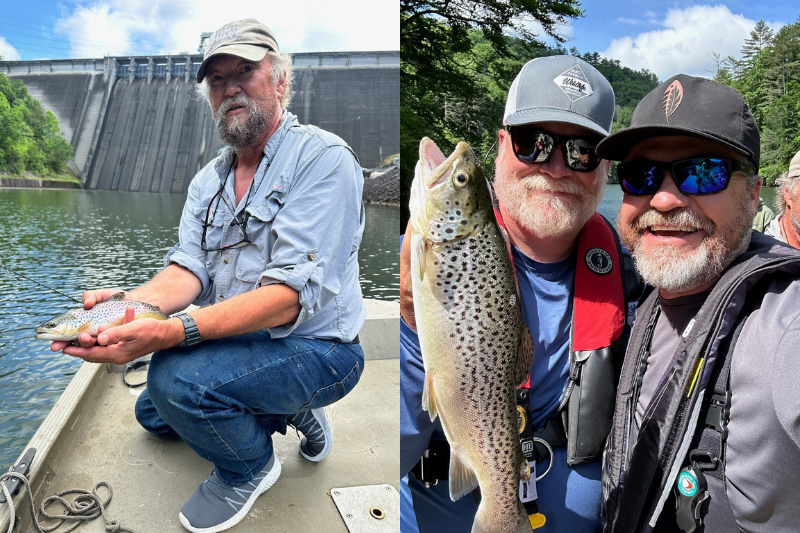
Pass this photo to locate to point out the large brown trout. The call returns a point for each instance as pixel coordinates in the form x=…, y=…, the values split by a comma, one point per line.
x=475, y=345
x=71, y=324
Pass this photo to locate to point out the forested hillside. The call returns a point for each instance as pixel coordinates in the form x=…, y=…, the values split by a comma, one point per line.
x=768, y=78
x=30, y=138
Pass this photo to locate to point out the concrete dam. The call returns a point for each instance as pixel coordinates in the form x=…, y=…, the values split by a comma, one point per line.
x=135, y=124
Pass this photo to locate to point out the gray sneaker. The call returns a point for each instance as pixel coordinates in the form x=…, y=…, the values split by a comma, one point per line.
x=317, y=433
x=217, y=506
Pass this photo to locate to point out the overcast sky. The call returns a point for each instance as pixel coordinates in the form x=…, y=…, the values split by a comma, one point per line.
x=664, y=36
x=57, y=29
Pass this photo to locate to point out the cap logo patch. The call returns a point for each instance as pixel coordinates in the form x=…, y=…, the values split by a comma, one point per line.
x=574, y=83
x=224, y=34
x=673, y=97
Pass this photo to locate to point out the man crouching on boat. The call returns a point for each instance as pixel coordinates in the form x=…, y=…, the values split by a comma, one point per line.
x=269, y=235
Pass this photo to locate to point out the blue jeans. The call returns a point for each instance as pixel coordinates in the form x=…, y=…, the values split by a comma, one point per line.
x=226, y=397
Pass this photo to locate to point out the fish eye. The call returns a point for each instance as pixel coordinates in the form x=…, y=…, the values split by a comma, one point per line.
x=51, y=324
x=461, y=178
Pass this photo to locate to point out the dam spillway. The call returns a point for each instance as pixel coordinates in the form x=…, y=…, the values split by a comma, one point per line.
x=135, y=124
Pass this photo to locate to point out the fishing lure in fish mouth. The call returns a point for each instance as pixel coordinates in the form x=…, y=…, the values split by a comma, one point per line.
x=70, y=325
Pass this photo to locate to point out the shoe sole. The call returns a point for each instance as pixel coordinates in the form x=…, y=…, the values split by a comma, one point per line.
x=327, y=430
x=265, y=484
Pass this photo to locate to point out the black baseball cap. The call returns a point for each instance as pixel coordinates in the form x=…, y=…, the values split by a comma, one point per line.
x=687, y=105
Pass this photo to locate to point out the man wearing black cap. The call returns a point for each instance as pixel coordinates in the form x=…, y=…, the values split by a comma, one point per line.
x=705, y=430
x=269, y=235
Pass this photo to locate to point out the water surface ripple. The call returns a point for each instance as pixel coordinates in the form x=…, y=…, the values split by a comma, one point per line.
x=77, y=240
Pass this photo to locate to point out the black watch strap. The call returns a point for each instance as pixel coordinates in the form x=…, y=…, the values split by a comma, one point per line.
x=190, y=330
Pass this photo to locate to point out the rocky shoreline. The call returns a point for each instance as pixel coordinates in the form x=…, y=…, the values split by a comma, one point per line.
x=383, y=189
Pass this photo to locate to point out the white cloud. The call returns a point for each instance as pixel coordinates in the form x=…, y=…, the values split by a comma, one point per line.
x=8, y=52
x=689, y=36
x=150, y=26
x=565, y=30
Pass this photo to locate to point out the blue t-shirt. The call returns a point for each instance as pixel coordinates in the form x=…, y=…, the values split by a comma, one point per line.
x=569, y=497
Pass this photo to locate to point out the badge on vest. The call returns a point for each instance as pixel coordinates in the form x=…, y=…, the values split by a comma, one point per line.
x=692, y=499
x=599, y=261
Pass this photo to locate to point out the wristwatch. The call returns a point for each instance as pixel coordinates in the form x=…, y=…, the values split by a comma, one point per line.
x=190, y=330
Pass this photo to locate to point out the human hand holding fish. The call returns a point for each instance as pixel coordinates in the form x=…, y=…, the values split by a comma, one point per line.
x=109, y=329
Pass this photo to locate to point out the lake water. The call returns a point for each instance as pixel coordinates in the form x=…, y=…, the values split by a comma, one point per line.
x=73, y=240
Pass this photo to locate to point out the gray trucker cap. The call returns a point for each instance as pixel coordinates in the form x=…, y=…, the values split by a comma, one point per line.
x=248, y=39
x=561, y=89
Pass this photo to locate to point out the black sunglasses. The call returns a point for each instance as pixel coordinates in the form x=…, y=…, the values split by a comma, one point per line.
x=699, y=175
x=535, y=147
x=245, y=240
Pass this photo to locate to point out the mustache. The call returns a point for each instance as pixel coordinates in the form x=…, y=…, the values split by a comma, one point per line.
x=537, y=182
x=239, y=100
x=676, y=217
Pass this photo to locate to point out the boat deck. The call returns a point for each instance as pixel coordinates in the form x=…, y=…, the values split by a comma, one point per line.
x=91, y=435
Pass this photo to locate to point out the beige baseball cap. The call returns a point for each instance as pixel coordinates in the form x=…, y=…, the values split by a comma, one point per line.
x=248, y=39
x=794, y=166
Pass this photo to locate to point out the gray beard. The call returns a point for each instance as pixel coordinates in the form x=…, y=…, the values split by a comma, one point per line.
x=675, y=271
x=237, y=134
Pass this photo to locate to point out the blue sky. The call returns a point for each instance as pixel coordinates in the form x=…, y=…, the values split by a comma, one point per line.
x=668, y=37
x=665, y=37
x=57, y=29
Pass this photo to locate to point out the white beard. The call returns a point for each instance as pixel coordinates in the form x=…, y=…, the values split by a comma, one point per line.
x=544, y=215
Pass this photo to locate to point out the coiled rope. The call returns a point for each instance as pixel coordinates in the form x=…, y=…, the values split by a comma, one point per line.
x=86, y=507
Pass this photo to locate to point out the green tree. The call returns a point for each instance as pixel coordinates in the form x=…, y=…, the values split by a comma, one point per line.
x=443, y=85
x=30, y=138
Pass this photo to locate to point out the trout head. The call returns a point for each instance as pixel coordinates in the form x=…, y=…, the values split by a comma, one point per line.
x=64, y=327
x=450, y=197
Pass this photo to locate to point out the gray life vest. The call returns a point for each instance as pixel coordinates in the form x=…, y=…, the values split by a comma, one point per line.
x=639, y=471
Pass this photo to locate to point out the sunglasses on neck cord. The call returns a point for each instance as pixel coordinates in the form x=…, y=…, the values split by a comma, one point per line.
x=535, y=147
x=698, y=175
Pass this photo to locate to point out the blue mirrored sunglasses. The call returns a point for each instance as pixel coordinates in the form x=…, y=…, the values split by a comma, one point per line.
x=699, y=175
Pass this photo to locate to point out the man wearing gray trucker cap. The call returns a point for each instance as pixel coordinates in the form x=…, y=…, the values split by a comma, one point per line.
x=705, y=434
x=270, y=235
x=574, y=283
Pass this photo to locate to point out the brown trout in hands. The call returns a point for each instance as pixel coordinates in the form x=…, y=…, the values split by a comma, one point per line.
x=475, y=345
x=111, y=312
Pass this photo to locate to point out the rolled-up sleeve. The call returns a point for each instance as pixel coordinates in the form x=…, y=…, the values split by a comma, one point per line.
x=187, y=252
x=316, y=230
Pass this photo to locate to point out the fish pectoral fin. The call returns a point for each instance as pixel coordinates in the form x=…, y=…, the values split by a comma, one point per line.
x=524, y=357
x=429, y=397
x=462, y=477
x=84, y=327
x=119, y=297
x=418, y=248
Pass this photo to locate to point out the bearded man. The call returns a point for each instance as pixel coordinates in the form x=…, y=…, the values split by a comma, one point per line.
x=786, y=226
x=269, y=236
x=705, y=432
x=574, y=283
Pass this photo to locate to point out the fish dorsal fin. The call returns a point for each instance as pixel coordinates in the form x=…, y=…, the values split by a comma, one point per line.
x=119, y=297
x=462, y=477
x=524, y=357
x=429, y=397
x=85, y=326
